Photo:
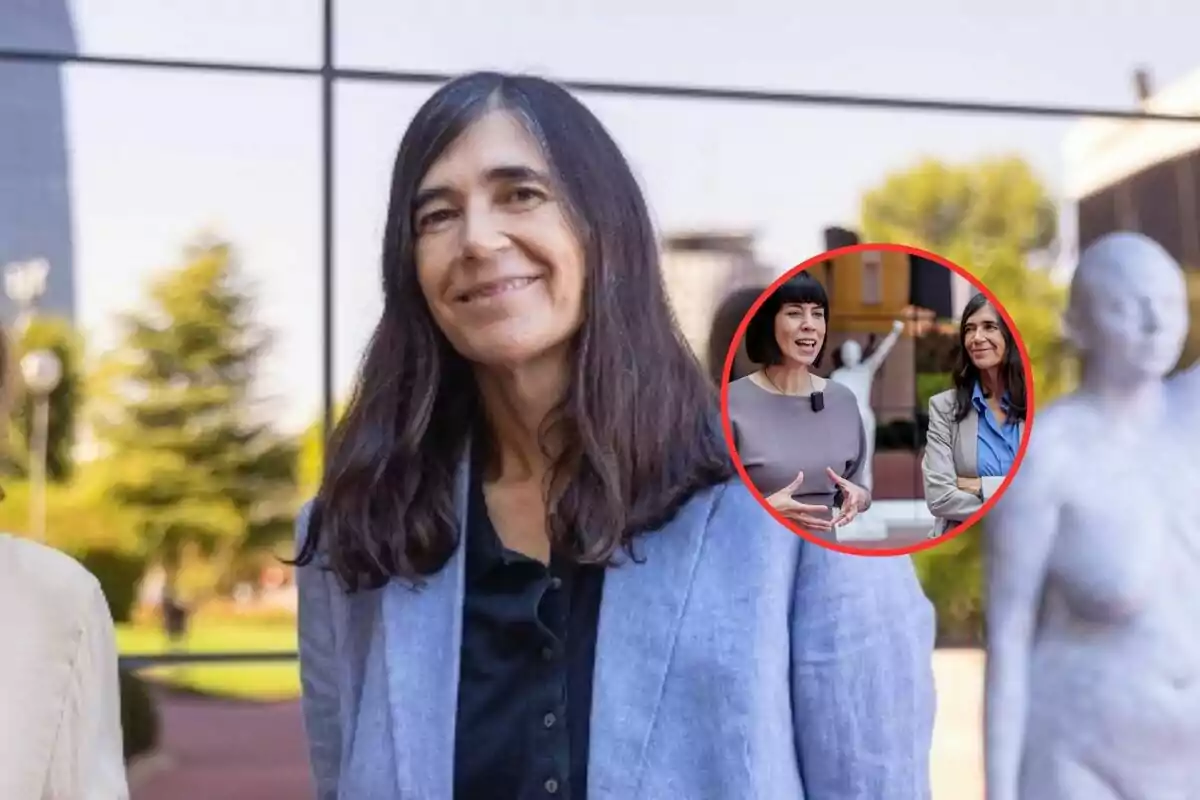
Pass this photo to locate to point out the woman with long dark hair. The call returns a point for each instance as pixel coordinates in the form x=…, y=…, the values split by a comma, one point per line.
x=528, y=571
x=975, y=428
x=799, y=436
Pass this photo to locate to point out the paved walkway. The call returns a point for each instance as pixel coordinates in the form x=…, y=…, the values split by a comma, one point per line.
x=957, y=757
x=237, y=751
x=214, y=750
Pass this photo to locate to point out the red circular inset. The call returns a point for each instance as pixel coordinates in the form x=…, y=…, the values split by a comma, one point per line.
x=731, y=356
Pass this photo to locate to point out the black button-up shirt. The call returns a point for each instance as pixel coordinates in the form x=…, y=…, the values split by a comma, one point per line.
x=525, y=687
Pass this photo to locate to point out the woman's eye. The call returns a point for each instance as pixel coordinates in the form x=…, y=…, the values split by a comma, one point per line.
x=524, y=196
x=434, y=218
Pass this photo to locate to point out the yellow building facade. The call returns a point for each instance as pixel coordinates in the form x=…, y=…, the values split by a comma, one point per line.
x=868, y=292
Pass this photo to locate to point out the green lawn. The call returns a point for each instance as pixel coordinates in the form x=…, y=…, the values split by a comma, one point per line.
x=247, y=681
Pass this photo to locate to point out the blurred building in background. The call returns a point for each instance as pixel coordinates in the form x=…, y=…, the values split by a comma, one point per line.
x=35, y=200
x=1140, y=175
x=712, y=278
x=868, y=291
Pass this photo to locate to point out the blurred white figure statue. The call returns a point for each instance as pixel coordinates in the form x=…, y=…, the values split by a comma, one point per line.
x=1093, y=595
x=858, y=375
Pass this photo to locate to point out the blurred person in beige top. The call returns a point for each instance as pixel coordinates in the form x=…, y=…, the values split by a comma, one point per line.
x=60, y=718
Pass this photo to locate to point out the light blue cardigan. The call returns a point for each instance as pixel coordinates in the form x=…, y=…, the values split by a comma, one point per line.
x=736, y=661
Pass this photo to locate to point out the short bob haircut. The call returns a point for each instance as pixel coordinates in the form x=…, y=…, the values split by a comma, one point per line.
x=966, y=374
x=640, y=419
x=761, y=345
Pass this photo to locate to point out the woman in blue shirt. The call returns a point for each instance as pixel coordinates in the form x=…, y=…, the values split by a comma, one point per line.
x=975, y=428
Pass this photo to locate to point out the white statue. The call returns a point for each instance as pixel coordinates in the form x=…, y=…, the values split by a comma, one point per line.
x=1093, y=557
x=858, y=375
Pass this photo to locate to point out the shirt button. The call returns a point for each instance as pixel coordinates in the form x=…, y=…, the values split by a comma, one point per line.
x=547, y=653
x=556, y=583
x=549, y=720
x=551, y=786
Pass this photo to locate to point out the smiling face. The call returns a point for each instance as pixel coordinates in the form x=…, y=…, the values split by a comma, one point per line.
x=800, y=332
x=498, y=261
x=983, y=338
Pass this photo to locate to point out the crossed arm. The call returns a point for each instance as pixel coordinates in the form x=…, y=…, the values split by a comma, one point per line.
x=944, y=494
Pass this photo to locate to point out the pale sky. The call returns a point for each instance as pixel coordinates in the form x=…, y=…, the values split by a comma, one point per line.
x=157, y=156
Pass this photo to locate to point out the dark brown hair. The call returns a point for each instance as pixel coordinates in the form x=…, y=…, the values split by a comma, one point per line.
x=640, y=419
x=966, y=374
x=761, y=346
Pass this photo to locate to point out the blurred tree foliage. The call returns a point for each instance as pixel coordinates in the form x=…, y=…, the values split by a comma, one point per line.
x=312, y=455
x=990, y=217
x=59, y=337
x=936, y=353
x=188, y=452
x=1191, y=353
x=84, y=526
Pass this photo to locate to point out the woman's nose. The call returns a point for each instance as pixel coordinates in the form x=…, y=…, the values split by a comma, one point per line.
x=482, y=233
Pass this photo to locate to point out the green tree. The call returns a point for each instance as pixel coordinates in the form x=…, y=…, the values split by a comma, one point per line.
x=1191, y=353
x=59, y=337
x=312, y=456
x=989, y=217
x=189, y=452
x=88, y=528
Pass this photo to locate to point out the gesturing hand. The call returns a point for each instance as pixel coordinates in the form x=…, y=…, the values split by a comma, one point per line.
x=810, y=517
x=854, y=499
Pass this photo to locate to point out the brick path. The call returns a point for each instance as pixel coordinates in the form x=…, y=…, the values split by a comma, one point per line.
x=219, y=750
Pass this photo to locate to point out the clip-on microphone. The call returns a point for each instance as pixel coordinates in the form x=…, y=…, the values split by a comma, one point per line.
x=818, y=400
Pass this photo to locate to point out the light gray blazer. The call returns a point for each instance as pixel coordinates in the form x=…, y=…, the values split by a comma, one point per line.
x=736, y=661
x=60, y=697
x=952, y=452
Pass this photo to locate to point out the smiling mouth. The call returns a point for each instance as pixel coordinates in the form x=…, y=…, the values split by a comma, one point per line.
x=806, y=344
x=492, y=289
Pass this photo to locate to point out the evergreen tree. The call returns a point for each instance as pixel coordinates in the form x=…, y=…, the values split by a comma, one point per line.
x=188, y=451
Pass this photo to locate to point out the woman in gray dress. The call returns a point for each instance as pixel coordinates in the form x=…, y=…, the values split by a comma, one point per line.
x=799, y=436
